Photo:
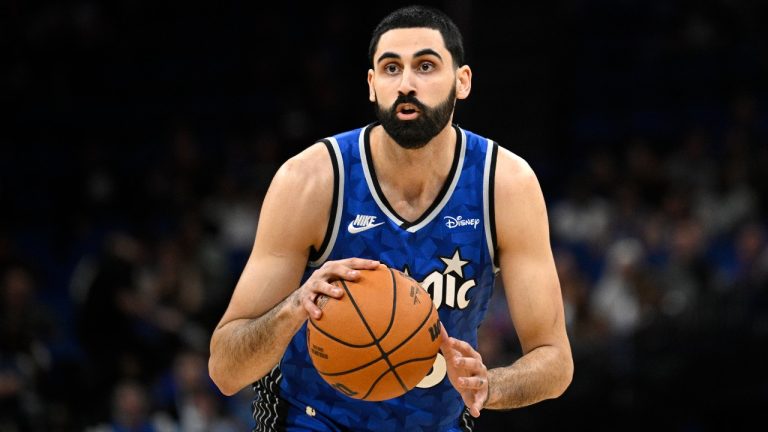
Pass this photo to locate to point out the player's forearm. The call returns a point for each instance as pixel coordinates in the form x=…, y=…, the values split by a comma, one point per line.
x=244, y=350
x=543, y=373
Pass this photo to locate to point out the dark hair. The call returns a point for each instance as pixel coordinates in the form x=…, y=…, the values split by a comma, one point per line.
x=421, y=16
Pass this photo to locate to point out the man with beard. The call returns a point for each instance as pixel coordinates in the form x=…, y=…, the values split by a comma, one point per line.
x=419, y=194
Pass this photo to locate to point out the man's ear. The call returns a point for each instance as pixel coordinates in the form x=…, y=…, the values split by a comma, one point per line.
x=463, y=82
x=371, y=91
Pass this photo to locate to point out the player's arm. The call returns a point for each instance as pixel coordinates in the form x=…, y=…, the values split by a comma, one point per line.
x=535, y=304
x=268, y=307
x=532, y=289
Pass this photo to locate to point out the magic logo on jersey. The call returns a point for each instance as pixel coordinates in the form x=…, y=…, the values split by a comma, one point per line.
x=448, y=286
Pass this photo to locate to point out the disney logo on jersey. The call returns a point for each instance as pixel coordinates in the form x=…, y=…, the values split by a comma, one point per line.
x=449, y=287
x=458, y=221
x=362, y=223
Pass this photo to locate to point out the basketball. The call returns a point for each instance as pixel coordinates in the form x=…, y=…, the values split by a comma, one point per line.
x=379, y=340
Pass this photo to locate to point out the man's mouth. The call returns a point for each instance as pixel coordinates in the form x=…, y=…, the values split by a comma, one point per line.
x=407, y=111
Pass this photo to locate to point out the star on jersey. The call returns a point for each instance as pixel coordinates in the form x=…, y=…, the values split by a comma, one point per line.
x=449, y=287
x=454, y=264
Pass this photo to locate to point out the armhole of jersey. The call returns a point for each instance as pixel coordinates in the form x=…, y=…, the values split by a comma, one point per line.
x=489, y=179
x=318, y=257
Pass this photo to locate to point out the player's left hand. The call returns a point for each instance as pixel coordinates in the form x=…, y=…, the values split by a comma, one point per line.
x=466, y=371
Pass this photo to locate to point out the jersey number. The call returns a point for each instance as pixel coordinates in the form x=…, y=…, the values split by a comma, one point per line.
x=436, y=374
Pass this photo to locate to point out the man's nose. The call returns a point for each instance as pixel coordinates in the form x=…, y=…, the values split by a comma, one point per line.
x=407, y=83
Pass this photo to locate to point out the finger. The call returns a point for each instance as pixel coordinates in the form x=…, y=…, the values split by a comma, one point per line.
x=347, y=269
x=319, y=287
x=465, y=348
x=331, y=290
x=472, y=402
x=479, y=401
x=448, y=352
x=319, y=292
x=313, y=311
x=473, y=399
x=448, y=346
x=445, y=340
x=474, y=410
x=361, y=263
x=351, y=267
x=470, y=364
x=472, y=383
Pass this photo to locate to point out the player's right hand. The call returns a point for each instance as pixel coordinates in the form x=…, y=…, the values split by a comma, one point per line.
x=320, y=282
x=466, y=372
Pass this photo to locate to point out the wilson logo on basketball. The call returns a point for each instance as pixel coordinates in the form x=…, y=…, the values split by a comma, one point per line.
x=319, y=351
x=434, y=331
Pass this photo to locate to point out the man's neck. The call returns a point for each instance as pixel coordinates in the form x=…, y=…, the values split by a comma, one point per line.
x=411, y=178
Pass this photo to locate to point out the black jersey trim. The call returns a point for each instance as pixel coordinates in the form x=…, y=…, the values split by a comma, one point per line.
x=315, y=256
x=374, y=179
x=439, y=199
x=492, y=203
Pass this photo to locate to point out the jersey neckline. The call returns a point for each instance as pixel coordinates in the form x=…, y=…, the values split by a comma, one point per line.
x=440, y=200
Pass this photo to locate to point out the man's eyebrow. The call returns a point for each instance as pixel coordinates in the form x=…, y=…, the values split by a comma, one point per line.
x=423, y=52
x=428, y=51
x=387, y=55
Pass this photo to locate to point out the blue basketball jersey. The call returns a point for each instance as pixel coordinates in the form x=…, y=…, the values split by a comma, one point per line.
x=449, y=249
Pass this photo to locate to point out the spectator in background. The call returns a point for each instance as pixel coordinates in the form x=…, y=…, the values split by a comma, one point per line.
x=131, y=412
x=25, y=359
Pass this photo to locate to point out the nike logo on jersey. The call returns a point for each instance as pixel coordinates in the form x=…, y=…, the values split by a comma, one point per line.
x=362, y=223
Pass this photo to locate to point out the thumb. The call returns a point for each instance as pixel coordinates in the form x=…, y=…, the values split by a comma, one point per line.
x=445, y=343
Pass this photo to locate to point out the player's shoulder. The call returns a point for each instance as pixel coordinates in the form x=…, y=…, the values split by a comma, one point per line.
x=314, y=165
x=314, y=156
x=509, y=167
x=513, y=173
x=352, y=136
x=311, y=168
x=513, y=163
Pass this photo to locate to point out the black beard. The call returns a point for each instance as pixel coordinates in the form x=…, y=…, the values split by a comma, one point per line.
x=414, y=134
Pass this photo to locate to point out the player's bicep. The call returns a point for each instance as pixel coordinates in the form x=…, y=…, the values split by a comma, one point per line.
x=527, y=266
x=293, y=219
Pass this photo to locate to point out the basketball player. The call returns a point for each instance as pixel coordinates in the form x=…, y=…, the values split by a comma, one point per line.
x=419, y=194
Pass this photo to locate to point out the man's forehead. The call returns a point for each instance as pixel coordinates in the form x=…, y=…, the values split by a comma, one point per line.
x=408, y=41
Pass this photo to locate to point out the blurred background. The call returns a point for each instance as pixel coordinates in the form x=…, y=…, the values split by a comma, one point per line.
x=140, y=137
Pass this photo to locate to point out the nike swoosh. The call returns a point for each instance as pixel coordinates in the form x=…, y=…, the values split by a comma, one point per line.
x=354, y=230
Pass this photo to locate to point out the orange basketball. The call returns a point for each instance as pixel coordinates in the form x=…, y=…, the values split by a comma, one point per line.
x=379, y=340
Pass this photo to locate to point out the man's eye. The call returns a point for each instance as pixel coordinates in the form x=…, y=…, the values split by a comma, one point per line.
x=426, y=67
x=391, y=68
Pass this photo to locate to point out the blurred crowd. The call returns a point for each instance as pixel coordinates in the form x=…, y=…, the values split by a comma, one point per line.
x=142, y=139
